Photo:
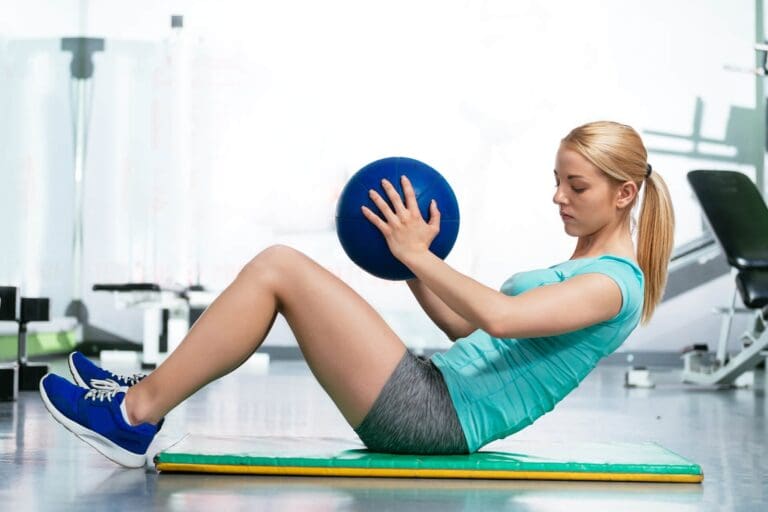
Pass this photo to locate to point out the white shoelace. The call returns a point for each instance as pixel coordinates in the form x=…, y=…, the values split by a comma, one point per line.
x=130, y=381
x=133, y=379
x=103, y=390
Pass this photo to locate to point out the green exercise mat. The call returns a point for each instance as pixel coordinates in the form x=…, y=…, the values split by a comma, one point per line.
x=512, y=459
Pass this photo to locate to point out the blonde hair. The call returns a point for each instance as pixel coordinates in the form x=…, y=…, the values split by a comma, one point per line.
x=618, y=151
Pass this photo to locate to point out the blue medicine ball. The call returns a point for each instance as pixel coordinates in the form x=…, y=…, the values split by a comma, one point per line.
x=363, y=242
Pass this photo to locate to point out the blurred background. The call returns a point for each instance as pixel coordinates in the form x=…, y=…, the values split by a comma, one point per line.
x=189, y=146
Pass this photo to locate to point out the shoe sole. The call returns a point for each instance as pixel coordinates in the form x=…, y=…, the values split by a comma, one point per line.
x=103, y=445
x=75, y=375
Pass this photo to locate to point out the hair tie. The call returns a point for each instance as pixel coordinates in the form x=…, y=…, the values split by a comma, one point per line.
x=649, y=169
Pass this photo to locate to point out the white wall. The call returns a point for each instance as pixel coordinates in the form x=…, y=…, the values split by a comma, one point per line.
x=204, y=151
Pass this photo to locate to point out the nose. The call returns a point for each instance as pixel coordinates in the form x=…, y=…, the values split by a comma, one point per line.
x=558, y=198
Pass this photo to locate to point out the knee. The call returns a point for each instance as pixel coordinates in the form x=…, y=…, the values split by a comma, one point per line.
x=270, y=262
x=275, y=254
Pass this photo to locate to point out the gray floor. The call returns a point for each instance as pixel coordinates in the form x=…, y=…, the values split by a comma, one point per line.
x=44, y=467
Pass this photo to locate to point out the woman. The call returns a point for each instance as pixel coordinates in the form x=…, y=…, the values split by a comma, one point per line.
x=518, y=351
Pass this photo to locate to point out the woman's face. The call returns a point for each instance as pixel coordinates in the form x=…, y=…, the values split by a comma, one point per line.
x=584, y=194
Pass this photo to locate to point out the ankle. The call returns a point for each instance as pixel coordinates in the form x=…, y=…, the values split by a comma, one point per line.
x=135, y=409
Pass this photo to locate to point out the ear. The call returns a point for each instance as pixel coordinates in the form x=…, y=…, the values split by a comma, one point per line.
x=625, y=194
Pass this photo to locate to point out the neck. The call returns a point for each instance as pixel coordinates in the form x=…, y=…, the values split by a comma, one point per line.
x=617, y=240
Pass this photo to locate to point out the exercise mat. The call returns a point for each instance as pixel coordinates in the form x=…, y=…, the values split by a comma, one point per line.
x=511, y=459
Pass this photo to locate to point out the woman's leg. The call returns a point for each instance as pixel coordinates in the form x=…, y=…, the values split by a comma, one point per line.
x=349, y=347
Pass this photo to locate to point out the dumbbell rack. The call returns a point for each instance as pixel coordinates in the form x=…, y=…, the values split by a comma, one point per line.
x=21, y=375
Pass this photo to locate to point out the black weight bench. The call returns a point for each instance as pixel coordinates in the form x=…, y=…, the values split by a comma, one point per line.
x=738, y=216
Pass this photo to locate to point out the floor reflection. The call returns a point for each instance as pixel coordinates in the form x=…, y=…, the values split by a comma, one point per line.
x=186, y=492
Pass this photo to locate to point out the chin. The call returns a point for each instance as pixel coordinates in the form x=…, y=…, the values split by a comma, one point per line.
x=569, y=230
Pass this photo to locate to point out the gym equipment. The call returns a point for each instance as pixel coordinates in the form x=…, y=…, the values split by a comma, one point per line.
x=738, y=217
x=81, y=71
x=520, y=460
x=761, y=49
x=21, y=375
x=760, y=70
x=363, y=242
x=168, y=314
x=639, y=377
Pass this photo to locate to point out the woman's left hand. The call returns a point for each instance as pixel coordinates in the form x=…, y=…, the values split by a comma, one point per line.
x=405, y=230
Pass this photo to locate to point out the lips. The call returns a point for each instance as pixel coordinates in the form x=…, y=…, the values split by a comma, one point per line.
x=565, y=216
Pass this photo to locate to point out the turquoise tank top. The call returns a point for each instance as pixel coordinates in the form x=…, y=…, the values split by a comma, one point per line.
x=501, y=385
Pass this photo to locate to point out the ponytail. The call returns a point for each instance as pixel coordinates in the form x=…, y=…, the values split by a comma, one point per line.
x=655, y=240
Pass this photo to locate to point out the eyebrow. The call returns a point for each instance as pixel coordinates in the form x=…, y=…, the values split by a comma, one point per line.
x=570, y=176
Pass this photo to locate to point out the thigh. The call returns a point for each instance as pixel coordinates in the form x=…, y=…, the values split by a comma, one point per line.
x=351, y=350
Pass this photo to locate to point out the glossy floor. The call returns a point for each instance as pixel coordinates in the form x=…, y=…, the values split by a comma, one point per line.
x=44, y=467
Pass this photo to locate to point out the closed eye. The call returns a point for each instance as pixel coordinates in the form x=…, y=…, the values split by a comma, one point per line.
x=577, y=190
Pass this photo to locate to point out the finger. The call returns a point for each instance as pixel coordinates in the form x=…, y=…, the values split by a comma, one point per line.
x=382, y=205
x=393, y=195
x=434, y=214
x=410, y=195
x=376, y=220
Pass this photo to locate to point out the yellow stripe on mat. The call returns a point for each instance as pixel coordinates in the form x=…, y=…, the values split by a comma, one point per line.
x=427, y=473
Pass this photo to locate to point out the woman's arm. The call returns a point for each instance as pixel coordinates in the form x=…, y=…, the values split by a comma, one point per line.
x=444, y=317
x=573, y=304
x=544, y=311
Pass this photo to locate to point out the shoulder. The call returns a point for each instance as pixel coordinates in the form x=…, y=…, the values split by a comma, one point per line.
x=610, y=261
x=617, y=267
x=625, y=273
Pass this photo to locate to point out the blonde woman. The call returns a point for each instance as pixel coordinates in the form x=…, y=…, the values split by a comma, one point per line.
x=517, y=352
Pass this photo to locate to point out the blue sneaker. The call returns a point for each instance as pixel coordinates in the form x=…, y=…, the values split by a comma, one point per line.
x=84, y=371
x=94, y=416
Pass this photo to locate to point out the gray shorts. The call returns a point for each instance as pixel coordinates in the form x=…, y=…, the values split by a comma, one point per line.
x=413, y=413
